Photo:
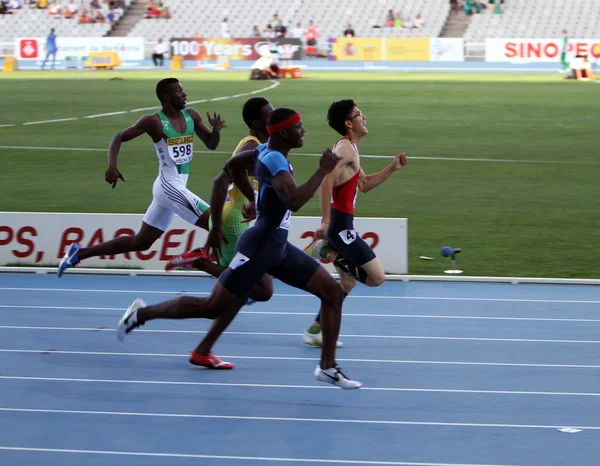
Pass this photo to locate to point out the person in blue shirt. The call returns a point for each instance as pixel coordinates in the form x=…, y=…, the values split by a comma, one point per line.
x=50, y=48
x=264, y=248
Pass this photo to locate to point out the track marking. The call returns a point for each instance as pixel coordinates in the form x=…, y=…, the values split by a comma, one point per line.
x=293, y=386
x=285, y=358
x=100, y=115
x=346, y=314
x=307, y=295
x=231, y=458
x=49, y=121
x=283, y=334
x=121, y=112
x=303, y=154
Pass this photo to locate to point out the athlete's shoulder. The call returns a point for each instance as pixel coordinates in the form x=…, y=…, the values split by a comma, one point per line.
x=193, y=114
x=272, y=159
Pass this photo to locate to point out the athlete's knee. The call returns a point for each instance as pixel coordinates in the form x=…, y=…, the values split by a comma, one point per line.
x=375, y=279
x=262, y=292
x=334, y=295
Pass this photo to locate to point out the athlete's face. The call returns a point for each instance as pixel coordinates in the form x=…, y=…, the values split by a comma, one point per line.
x=295, y=135
x=177, y=96
x=358, y=122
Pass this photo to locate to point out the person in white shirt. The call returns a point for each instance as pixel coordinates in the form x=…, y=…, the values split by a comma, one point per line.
x=160, y=50
x=225, y=29
x=298, y=32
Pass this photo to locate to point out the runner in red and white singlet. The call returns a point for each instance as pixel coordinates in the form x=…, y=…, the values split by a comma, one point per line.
x=351, y=255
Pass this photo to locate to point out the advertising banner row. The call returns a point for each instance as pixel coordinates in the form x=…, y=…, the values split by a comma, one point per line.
x=396, y=49
x=34, y=48
x=539, y=50
x=30, y=238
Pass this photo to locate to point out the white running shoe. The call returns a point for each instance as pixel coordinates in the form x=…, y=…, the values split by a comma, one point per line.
x=314, y=249
x=334, y=376
x=129, y=320
x=316, y=339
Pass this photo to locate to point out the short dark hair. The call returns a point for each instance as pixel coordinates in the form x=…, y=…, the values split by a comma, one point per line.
x=339, y=112
x=252, y=108
x=163, y=85
x=280, y=114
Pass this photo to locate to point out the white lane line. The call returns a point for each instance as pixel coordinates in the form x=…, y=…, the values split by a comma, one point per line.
x=307, y=295
x=346, y=314
x=291, y=419
x=293, y=386
x=232, y=458
x=283, y=334
x=100, y=115
x=49, y=121
x=7, y=126
x=304, y=154
x=76, y=149
x=121, y=112
x=285, y=358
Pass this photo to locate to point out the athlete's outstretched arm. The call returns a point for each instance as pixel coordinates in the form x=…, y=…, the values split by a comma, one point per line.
x=294, y=197
x=368, y=182
x=209, y=138
x=143, y=125
x=235, y=170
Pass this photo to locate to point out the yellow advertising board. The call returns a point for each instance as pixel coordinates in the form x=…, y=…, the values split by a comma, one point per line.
x=413, y=49
x=355, y=49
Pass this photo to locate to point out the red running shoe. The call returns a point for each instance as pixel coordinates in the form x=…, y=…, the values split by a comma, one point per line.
x=210, y=361
x=186, y=260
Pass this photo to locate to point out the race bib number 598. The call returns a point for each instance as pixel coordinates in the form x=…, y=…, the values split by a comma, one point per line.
x=181, y=149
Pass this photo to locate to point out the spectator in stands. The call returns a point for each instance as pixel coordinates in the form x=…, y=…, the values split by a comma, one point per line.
x=160, y=49
x=479, y=6
x=497, y=7
x=51, y=48
x=275, y=20
x=389, y=20
x=4, y=9
x=398, y=20
x=408, y=24
x=54, y=9
x=111, y=17
x=256, y=32
x=163, y=11
x=15, y=4
x=225, y=33
x=298, y=32
x=96, y=16
x=311, y=38
x=349, y=32
x=83, y=17
x=42, y=4
x=419, y=23
x=280, y=29
x=269, y=32
x=152, y=10
x=71, y=9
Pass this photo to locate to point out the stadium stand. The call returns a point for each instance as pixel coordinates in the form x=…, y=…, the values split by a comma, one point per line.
x=34, y=22
x=331, y=18
x=537, y=19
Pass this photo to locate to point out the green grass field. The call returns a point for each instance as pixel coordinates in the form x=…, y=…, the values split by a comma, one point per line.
x=513, y=214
